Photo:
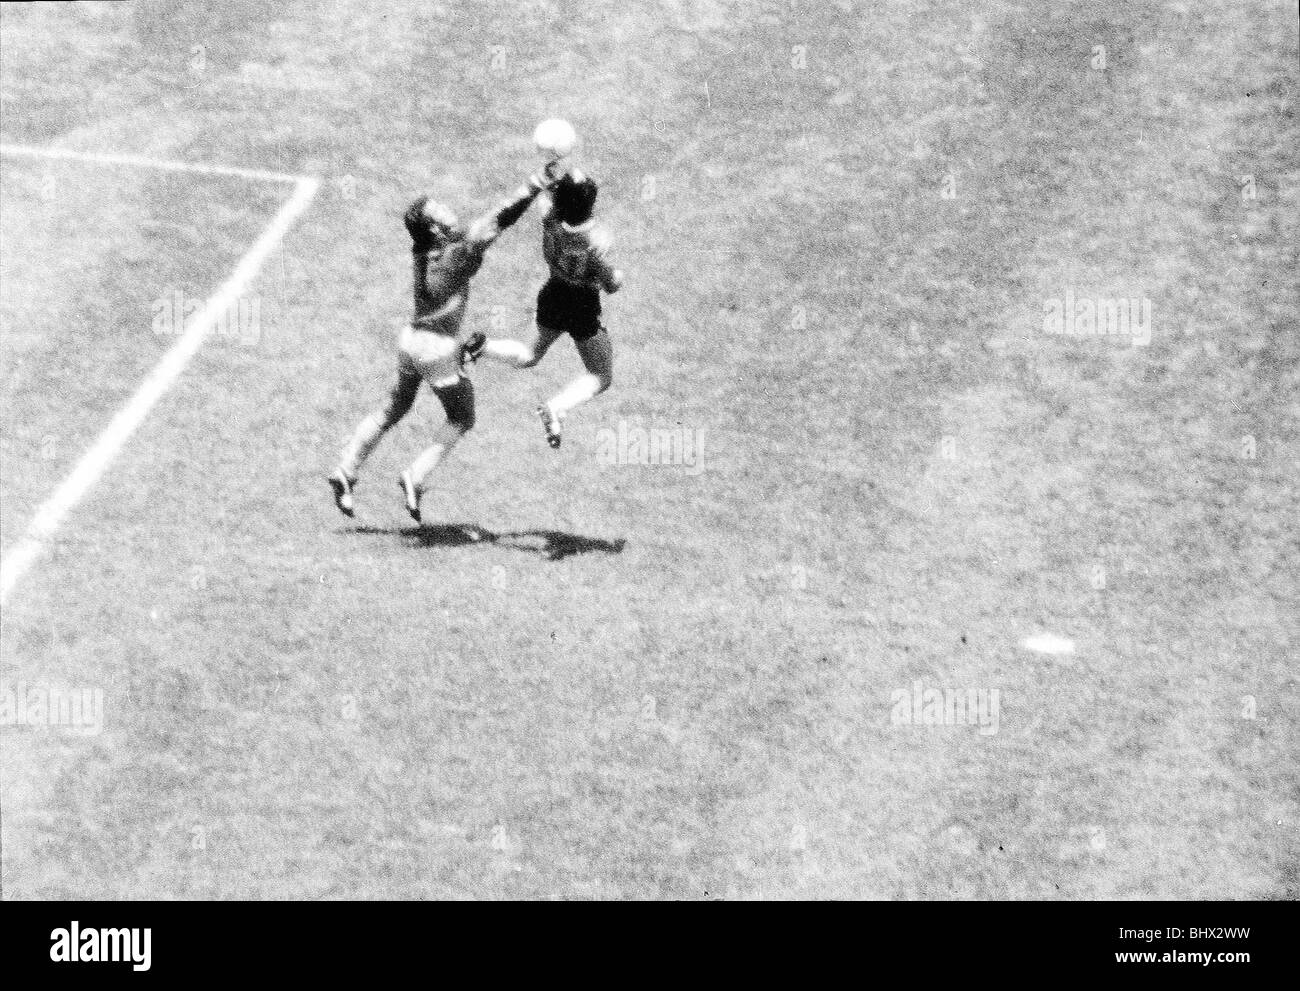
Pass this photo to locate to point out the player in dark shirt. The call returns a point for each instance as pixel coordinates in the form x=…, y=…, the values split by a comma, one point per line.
x=576, y=248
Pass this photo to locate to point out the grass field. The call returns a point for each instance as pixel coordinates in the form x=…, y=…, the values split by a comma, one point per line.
x=842, y=225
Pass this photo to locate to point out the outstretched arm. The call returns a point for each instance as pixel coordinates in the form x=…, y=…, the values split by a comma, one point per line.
x=488, y=227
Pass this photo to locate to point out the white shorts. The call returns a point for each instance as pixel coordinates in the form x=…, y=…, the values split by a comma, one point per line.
x=435, y=357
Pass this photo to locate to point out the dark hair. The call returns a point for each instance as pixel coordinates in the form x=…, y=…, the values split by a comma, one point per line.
x=575, y=198
x=419, y=226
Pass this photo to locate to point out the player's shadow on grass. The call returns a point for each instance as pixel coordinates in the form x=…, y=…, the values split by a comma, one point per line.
x=554, y=545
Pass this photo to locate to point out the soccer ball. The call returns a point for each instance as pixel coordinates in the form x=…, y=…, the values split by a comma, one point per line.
x=555, y=138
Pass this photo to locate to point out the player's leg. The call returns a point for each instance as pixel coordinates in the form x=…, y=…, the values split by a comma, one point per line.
x=597, y=351
x=517, y=353
x=550, y=311
x=550, y=300
x=370, y=431
x=458, y=402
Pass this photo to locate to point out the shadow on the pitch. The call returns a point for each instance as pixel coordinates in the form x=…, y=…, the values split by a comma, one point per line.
x=554, y=545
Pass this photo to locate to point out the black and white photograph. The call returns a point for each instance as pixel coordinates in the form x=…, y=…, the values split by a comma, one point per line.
x=683, y=450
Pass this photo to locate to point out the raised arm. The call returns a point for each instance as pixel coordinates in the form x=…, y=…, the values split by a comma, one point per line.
x=488, y=227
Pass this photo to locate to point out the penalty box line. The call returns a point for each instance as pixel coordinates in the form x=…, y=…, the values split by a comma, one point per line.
x=101, y=454
x=140, y=161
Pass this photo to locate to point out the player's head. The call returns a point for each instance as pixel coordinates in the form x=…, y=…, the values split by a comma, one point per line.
x=575, y=198
x=432, y=225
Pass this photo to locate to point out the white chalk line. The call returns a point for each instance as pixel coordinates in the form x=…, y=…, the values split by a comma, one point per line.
x=140, y=161
x=96, y=460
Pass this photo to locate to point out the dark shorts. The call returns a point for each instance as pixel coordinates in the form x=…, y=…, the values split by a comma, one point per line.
x=573, y=310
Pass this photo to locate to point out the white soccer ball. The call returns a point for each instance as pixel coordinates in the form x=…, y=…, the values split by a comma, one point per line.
x=555, y=138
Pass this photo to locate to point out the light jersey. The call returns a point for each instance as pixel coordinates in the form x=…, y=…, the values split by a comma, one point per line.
x=442, y=284
x=577, y=255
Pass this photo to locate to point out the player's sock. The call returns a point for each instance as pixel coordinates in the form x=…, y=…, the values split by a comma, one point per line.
x=510, y=352
x=581, y=389
x=444, y=439
x=428, y=460
x=368, y=434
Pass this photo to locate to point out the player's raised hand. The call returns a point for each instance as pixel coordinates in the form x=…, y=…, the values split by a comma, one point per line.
x=546, y=180
x=553, y=172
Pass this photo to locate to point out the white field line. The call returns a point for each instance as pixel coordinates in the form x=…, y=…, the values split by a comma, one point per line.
x=96, y=460
x=140, y=161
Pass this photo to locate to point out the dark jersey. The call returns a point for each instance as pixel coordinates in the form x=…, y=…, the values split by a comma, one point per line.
x=442, y=276
x=442, y=285
x=578, y=255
